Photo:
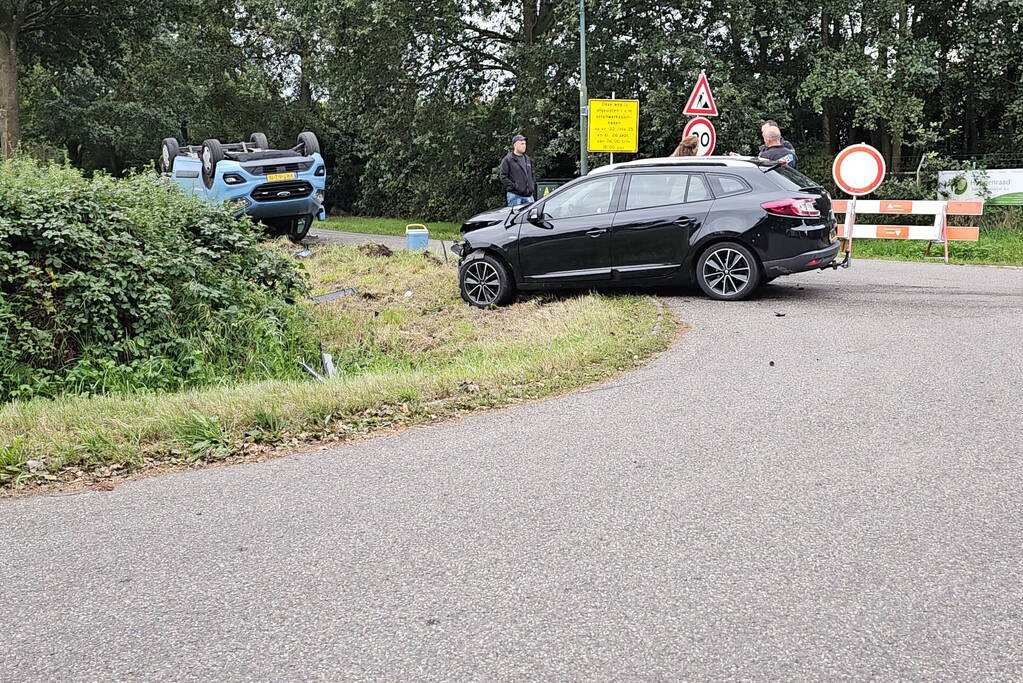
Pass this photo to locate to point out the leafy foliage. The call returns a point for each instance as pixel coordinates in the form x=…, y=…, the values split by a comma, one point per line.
x=121, y=285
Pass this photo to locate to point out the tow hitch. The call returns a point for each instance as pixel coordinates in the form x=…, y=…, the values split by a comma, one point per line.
x=835, y=265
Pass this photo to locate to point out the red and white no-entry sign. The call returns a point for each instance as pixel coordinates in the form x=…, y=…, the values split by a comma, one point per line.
x=706, y=138
x=858, y=169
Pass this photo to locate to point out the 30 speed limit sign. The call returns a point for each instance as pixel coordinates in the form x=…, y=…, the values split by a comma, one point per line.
x=706, y=138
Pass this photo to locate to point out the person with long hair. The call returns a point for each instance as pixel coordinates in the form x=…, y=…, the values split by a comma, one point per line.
x=686, y=147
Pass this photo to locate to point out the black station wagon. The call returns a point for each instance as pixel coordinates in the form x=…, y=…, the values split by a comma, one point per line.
x=727, y=224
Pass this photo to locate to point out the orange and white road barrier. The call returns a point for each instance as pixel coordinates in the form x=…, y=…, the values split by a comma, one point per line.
x=938, y=231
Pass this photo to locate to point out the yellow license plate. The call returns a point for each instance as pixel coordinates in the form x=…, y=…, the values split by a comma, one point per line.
x=280, y=176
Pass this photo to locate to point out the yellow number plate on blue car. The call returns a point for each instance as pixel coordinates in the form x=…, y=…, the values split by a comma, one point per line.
x=280, y=176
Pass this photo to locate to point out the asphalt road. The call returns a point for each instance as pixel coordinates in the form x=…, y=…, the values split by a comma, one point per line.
x=852, y=511
x=324, y=236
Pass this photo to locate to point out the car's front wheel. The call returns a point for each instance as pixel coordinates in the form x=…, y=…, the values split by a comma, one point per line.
x=728, y=271
x=485, y=281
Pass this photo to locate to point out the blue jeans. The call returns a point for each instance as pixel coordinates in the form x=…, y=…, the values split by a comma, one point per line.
x=516, y=199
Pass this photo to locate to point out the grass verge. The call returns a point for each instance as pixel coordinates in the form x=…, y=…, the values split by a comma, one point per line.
x=408, y=350
x=996, y=247
x=389, y=226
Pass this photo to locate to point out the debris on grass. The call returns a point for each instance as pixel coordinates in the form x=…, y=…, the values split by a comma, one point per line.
x=376, y=249
x=336, y=294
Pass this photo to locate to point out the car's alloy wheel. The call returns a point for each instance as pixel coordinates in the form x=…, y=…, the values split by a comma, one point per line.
x=485, y=282
x=482, y=283
x=728, y=271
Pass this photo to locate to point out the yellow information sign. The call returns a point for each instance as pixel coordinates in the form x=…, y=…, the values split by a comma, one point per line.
x=613, y=126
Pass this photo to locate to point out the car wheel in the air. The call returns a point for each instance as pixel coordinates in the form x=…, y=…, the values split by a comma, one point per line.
x=212, y=153
x=310, y=145
x=169, y=150
x=259, y=140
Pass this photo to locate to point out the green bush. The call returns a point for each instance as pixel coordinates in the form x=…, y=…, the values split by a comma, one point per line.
x=129, y=284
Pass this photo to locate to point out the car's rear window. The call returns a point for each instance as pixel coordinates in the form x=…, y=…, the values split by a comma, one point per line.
x=727, y=185
x=792, y=179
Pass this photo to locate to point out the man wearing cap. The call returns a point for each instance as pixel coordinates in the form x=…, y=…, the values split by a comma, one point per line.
x=517, y=178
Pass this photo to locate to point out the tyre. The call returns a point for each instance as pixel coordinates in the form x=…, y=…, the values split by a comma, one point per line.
x=212, y=153
x=310, y=145
x=259, y=140
x=169, y=150
x=728, y=271
x=484, y=281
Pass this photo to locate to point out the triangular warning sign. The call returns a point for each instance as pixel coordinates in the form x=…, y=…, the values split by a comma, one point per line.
x=701, y=102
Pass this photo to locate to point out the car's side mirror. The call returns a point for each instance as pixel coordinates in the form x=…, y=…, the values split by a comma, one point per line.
x=536, y=217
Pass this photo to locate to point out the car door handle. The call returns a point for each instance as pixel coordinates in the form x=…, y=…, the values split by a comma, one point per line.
x=596, y=232
x=683, y=221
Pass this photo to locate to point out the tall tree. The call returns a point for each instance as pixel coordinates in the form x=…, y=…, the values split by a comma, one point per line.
x=62, y=31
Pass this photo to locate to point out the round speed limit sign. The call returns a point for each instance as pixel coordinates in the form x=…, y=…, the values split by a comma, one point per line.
x=703, y=129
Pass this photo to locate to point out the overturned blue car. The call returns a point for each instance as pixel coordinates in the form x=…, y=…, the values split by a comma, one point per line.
x=281, y=188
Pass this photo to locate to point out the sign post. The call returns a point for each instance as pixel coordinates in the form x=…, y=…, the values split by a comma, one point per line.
x=857, y=170
x=583, y=97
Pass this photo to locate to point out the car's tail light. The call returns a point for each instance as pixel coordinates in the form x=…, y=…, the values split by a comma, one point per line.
x=797, y=208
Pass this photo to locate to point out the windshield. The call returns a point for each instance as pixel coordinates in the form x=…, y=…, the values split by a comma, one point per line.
x=790, y=175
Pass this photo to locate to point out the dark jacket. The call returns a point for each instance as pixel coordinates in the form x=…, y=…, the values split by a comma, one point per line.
x=517, y=175
x=781, y=152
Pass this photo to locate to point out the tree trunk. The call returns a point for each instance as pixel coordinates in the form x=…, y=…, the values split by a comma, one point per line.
x=74, y=152
x=885, y=138
x=829, y=145
x=896, y=145
x=10, y=128
x=305, y=88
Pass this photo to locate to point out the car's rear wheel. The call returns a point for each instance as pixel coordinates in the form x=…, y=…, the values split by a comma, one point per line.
x=310, y=145
x=485, y=281
x=728, y=271
x=169, y=151
x=212, y=154
x=259, y=140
